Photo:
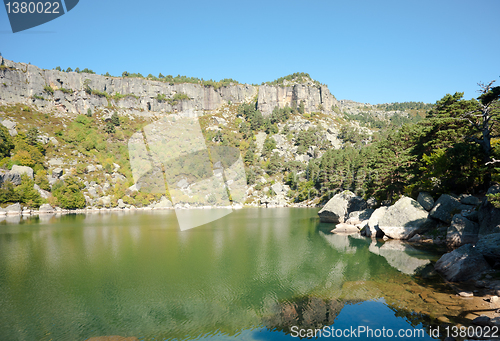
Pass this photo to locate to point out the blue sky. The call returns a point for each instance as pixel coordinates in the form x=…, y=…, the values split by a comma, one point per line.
x=367, y=51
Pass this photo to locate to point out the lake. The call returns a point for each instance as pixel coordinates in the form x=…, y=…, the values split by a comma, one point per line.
x=256, y=274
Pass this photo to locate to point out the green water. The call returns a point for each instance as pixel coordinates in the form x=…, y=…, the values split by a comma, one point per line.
x=136, y=274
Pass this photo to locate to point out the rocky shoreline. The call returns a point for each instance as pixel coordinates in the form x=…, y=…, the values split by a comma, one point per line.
x=467, y=226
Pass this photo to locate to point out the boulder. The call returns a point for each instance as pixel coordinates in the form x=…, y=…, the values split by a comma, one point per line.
x=461, y=231
x=489, y=215
x=105, y=201
x=372, y=229
x=164, y=203
x=11, y=127
x=345, y=229
x=489, y=247
x=469, y=200
x=46, y=208
x=117, y=177
x=91, y=168
x=121, y=204
x=426, y=200
x=446, y=207
x=461, y=264
x=338, y=208
x=22, y=170
x=44, y=194
x=357, y=217
x=8, y=176
x=57, y=173
x=14, y=209
x=404, y=219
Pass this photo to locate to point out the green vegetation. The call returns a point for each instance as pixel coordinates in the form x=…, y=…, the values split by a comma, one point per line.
x=68, y=193
x=48, y=89
x=66, y=91
x=299, y=77
x=405, y=106
x=117, y=96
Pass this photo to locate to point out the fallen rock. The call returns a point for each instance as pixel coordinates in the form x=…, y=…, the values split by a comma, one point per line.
x=357, y=217
x=426, y=200
x=372, y=229
x=489, y=217
x=121, y=204
x=22, y=170
x=469, y=200
x=11, y=127
x=46, y=208
x=14, y=209
x=461, y=264
x=8, y=176
x=164, y=203
x=345, y=229
x=57, y=173
x=404, y=219
x=489, y=247
x=446, y=207
x=338, y=208
x=461, y=231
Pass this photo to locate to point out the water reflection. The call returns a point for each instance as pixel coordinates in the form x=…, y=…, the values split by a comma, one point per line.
x=135, y=274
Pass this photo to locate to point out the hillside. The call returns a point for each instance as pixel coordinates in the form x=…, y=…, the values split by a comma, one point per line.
x=72, y=129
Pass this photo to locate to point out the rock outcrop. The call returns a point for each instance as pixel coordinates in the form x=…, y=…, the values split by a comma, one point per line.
x=314, y=97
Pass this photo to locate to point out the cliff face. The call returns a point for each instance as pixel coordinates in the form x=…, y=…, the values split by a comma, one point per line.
x=316, y=98
x=23, y=83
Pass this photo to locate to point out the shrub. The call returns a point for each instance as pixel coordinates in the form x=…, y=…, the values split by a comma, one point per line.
x=69, y=194
x=6, y=144
x=66, y=91
x=26, y=193
x=109, y=128
x=115, y=119
x=48, y=89
x=41, y=180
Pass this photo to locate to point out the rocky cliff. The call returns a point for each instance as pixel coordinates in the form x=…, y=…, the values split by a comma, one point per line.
x=28, y=84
